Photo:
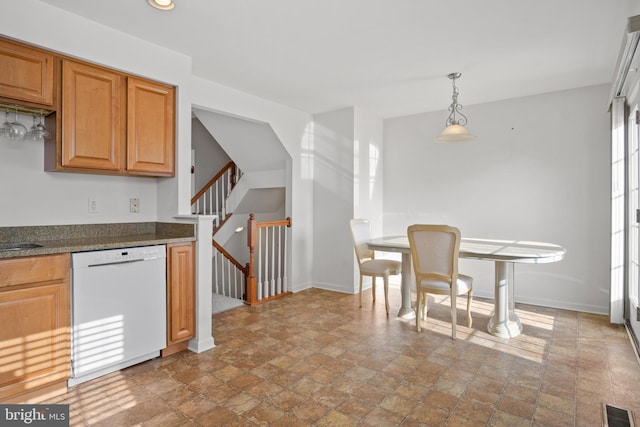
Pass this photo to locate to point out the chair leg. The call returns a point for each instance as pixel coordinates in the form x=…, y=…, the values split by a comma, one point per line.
x=418, y=312
x=425, y=310
x=454, y=316
x=373, y=287
x=386, y=294
x=361, y=291
x=469, y=297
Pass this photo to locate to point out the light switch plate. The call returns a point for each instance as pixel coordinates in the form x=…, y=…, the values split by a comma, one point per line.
x=134, y=205
x=93, y=205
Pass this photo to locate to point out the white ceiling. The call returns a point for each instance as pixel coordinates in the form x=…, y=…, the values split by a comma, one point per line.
x=387, y=56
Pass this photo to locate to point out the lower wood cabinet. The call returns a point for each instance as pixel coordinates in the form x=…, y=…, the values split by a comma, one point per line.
x=181, y=293
x=35, y=331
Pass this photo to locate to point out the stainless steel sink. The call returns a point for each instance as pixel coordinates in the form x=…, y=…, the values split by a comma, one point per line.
x=18, y=246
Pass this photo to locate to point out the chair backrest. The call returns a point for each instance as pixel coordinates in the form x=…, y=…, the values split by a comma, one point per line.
x=434, y=250
x=361, y=233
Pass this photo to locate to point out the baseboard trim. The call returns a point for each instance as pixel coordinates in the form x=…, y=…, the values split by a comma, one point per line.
x=541, y=302
x=39, y=395
x=199, y=346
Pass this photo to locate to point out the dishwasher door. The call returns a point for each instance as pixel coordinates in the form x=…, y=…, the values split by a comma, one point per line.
x=119, y=309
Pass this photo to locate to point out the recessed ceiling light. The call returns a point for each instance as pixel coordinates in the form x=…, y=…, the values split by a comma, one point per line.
x=162, y=4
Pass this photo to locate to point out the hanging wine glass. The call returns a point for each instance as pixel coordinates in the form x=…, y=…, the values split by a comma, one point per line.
x=38, y=131
x=18, y=130
x=42, y=130
x=5, y=130
x=33, y=134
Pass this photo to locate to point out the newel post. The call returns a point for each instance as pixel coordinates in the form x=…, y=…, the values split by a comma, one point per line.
x=251, y=278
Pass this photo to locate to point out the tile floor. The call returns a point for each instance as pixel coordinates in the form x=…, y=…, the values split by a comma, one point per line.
x=315, y=358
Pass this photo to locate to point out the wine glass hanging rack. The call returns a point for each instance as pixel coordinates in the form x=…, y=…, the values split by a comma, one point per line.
x=22, y=109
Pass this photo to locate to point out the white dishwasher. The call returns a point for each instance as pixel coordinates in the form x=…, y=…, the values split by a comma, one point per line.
x=118, y=309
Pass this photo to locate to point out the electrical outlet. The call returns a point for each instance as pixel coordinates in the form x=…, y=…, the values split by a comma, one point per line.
x=93, y=205
x=134, y=205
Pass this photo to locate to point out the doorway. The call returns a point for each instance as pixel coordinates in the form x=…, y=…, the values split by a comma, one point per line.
x=625, y=184
x=632, y=294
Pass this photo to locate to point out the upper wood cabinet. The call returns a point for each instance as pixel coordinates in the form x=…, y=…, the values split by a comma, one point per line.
x=26, y=74
x=103, y=120
x=150, y=127
x=92, y=117
x=112, y=123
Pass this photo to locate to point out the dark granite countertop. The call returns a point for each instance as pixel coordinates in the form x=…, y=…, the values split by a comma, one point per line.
x=55, y=239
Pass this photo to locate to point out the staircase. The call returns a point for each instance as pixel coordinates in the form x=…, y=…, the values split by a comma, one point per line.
x=264, y=277
x=213, y=196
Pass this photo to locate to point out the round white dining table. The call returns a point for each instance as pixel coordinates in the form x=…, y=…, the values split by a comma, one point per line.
x=504, y=321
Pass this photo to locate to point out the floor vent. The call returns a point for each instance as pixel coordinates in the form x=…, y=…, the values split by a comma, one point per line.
x=616, y=417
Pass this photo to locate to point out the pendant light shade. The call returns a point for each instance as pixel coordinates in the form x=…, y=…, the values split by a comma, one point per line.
x=162, y=4
x=455, y=133
x=455, y=130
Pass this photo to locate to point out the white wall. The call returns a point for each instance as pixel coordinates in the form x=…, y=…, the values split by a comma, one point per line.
x=333, y=163
x=538, y=171
x=368, y=167
x=210, y=158
x=347, y=147
x=367, y=180
x=293, y=128
x=65, y=195
x=38, y=198
x=251, y=144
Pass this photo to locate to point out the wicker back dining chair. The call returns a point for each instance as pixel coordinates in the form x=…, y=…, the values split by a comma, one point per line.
x=368, y=265
x=434, y=255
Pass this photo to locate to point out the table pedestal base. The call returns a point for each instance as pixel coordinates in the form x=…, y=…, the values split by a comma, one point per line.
x=507, y=329
x=407, y=313
x=504, y=321
x=408, y=281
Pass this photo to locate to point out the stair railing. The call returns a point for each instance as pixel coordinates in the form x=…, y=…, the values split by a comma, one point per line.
x=255, y=283
x=266, y=271
x=229, y=276
x=212, y=197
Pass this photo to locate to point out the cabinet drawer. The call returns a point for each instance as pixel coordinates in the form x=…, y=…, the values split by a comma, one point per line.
x=19, y=271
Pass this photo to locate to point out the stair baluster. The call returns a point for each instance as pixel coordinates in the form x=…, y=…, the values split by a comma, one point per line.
x=212, y=197
x=268, y=281
x=229, y=276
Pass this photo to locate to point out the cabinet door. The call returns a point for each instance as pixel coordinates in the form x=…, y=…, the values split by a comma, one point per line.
x=35, y=317
x=150, y=128
x=92, y=117
x=26, y=73
x=180, y=292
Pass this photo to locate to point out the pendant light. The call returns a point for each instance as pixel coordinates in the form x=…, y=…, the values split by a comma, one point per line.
x=455, y=130
x=162, y=4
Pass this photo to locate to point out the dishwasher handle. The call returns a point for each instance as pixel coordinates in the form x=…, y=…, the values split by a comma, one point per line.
x=129, y=261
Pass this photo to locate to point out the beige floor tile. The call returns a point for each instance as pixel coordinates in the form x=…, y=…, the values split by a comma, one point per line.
x=315, y=358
